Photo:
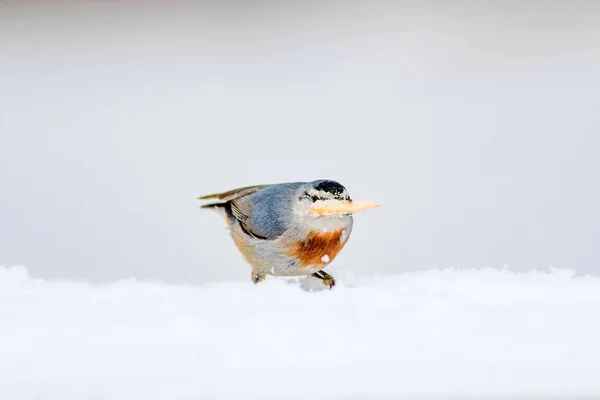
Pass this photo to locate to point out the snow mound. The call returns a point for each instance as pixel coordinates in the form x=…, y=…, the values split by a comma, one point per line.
x=435, y=334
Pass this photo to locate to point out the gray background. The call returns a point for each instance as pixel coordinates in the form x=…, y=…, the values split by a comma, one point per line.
x=474, y=124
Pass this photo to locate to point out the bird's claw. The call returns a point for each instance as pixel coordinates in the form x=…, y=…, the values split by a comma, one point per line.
x=258, y=277
x=325, y=278
x=329, y=282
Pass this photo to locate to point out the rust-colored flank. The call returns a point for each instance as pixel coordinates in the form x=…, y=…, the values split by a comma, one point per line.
x=319, y=248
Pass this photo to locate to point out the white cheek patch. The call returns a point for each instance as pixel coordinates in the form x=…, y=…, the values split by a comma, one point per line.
x=325, y=258
x=323, y=195
x=326, y=195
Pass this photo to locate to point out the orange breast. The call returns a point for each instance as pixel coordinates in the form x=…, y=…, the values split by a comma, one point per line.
x=319, y=248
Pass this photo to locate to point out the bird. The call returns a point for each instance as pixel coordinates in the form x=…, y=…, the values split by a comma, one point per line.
x=289, y=229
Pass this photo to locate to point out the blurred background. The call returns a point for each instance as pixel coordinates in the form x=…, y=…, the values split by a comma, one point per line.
x=474, y=124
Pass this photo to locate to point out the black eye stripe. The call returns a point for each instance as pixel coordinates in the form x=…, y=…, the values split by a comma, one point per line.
x=306, y=195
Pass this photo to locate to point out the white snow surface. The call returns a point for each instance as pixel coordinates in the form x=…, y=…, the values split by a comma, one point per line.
x=435, y=334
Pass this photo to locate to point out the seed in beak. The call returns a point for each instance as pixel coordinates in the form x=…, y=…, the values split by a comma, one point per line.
x=333, y=207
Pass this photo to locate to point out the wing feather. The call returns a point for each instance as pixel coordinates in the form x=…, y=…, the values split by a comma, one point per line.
x=235, y=206
x=237, y=213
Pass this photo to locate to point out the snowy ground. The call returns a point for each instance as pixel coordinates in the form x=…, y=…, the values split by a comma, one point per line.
x=442, y=334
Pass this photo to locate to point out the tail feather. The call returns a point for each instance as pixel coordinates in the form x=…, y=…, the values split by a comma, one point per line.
x=224, y=209
x=214, y=205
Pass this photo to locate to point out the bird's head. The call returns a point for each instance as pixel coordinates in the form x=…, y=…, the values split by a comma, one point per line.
x=327, y=200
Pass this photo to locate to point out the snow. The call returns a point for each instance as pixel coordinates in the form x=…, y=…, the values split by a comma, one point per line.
x=434, y=334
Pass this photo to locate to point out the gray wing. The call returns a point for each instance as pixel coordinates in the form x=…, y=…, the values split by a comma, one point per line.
x=262, y=210
x=266, y=214
x=245, y=209
x=236, y=206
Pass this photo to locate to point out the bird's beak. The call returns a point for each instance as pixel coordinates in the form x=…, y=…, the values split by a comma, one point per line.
x=333, y=207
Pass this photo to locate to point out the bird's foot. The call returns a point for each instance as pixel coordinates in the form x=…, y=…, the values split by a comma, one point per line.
x=258, y=277
x=325, y=278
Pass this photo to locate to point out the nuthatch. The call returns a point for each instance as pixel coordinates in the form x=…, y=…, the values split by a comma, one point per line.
x=289, y=229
